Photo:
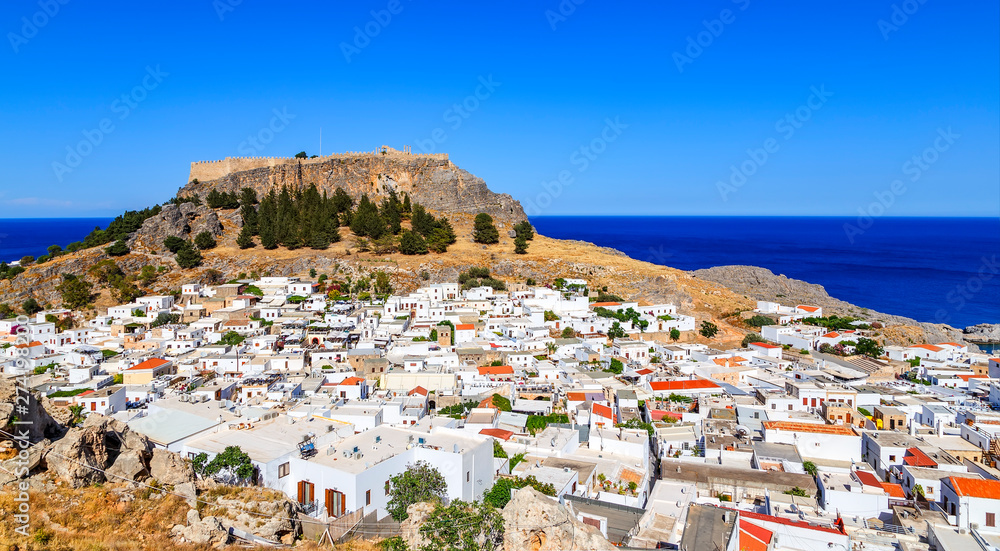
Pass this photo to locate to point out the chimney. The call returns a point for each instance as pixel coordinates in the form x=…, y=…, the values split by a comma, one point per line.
x=913, y=428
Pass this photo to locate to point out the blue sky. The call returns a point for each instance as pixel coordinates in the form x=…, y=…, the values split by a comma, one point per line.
x=618, y=99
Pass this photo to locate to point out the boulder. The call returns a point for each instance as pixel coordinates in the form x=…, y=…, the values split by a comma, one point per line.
x=80, y=457
x=208, y=530
x=410, y=528
x=129, y=466
x=188, y=491
x=535, y=522
x=168, y=468
x=36, y=421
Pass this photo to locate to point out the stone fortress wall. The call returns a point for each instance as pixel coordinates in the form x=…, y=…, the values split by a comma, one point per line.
x=206, y=171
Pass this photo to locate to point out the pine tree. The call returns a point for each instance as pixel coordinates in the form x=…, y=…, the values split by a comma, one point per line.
x=188, y=256
x=520, y=245
x=245, y=239
x=249, y=214
x=406, y=203
x=485, y=232
x=412, y=243
x=523, y=228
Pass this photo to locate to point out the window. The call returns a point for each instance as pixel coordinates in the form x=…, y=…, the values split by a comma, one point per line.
x=892, y=458
x=467, y=476
x=283, y=470
x=368, y=497
x=991, y=519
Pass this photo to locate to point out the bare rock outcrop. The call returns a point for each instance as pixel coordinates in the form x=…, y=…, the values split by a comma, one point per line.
x=185, y=220
x=83, y=454
x=409, y=529
x=534, y=522
x=22, y=411
x=985, y=333
x=201, y=531
x=167, y=467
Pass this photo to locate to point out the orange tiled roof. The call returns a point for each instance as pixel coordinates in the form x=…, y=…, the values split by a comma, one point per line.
x=764, y=345
x=972, y=487
x=352, y=381
x=604, y=304
x=683, y=385
x=496, y=370
x=894, y=490
x=498, y=433
x=868, y=479
x=29, y=345
x=930, y=347
x=628, y=475
x=792, y=426
x=151, y=363
x=418, y=390
x=807, y=308
x=465, y=327
x=603, y=411
x=917, y=458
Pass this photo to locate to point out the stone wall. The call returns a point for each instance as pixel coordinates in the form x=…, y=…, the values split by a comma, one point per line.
x=431, y=180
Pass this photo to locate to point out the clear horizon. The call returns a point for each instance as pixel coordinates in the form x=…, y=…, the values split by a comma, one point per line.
x=573, y=108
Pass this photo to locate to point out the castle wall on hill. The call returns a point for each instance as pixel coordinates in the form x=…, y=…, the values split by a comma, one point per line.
x=205, y=171
x=430, y=179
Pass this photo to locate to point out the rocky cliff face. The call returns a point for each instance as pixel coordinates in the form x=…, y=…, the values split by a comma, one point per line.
x=985, y=333
x=763, y=284
x=185, y=220
x=431, y=181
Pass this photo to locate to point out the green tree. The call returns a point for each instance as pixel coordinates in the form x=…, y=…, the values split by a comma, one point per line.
x=499, y=495
x=524, y=229
x=463, y=526
x=75, y=291
x=708, y=329
x=232, y=466
x=616, y=331
x=188, y=256
x=796, y=491
x=419, y=482
x=869, y=347
x=119, y=248
x=675, y=334
x=54, y=250
x=26, y=260
x=810, y=468
x=498, y=450
x=245, y=239
x=75, y=415
x=568, y=333
x=484, y=230
x=918, y=492
x=6, y=311
x=412, y=243
x=31, y=306
x=301, y=155
x=502, y=403
x=520, y=245
x=752, y=337
x=174, y=243
x=616, y=366
x=231, y=338
x=383, y=284
x=204, y=241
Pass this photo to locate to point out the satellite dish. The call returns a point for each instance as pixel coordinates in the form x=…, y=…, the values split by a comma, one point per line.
x=742, y=430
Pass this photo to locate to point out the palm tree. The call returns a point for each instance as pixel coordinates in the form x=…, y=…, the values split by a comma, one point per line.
x=76, y=414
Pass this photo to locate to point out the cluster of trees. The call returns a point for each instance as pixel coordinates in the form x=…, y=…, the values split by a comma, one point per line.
x=759, y=320
x=187, y=253
x=479, y=277
x=222, y=200
x=232, y=466
x=523, y=233
x=836, y=322
x=110, y=276
x=629, y=314
x=708, y=329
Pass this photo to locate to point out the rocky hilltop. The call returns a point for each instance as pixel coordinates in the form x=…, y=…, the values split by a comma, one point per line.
x=430, y=179
x=762, y=284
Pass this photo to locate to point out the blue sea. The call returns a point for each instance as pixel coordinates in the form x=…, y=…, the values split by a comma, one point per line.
x=942, y=270
x=930, y=269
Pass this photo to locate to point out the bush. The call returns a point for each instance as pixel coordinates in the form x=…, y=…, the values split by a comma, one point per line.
x=188, y=256
x=419, y=482
x=708, y=329
x=485, y=231
x=120, y=248
x=752, y=337
x=520, y=245
x=499, y=495
x=174, y=244
x=204, y=241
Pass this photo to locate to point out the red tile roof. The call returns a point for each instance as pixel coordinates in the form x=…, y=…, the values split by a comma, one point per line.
x=868, y=479
x=787, y=522
x=352, y=381
x=657, y=414
x=151, y=363
x=693, y=384
x=496, y=370
x=29, y=345
x=831, y=335
x=418, y=390
x=753, y=537
x=916, y=458
x=465, y=327
x=764, y=345
x=807, y=308
x=498, y=433
x=603, y=411
x=604, y=304
x=930, y=347
x=894, y=490
x=645, y=371
x=973, y=487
